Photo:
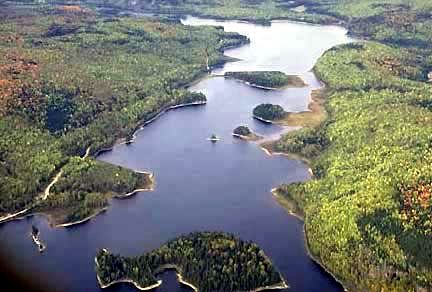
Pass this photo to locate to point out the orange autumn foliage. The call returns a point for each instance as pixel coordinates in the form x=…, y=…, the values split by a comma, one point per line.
x=17, y=75
x=416, y=203
x=72, y=8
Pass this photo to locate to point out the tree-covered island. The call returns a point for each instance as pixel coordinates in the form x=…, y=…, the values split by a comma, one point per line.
x=267, y=79
x=269, y=113
x=243, y=132
x=207, y=261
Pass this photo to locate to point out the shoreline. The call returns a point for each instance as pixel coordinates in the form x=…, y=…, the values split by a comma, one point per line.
x=291, y=156
x=313, y=116
x=119, y=197
x=182, y=281
x=278, y=286
x=317, y=261
x=141, y=126
x=13, y=216
x=317, y=100
x=253, y=137
x=264, y=120
x=134, y=192
x=178, y=271
x=84, y=220
x=284, y=202
x=103, y=286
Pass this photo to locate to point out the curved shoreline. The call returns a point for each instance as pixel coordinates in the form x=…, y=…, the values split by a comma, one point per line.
x=140, y=128
x=182, y=281
x=180, y=278
x=278, y=286
x=13, y=216
x=284, y=202
x=141, y=125
x=132, y=193
x=73, y=223
x=313, y=101
x=263, y=120
x=252, y=137
x=103, y=286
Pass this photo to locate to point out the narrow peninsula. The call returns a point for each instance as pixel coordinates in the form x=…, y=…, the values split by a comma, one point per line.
x=267, y=79
x=205, y=261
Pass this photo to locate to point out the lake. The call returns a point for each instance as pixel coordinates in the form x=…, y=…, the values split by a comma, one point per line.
x=200, y=186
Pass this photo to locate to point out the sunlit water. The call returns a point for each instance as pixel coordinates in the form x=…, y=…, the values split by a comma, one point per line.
x=200, y=186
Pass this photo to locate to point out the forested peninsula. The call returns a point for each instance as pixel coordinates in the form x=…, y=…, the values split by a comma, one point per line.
x=74, y=81
x=205, y=261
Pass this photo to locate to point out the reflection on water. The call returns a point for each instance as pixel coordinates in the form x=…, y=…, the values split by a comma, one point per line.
x=200, y=186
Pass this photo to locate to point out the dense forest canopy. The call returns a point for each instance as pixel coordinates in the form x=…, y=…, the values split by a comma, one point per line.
x=211, y=261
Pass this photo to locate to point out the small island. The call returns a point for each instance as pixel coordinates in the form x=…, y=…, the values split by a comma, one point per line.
x=205, y=261
x=214, y=138
x=243, y=132
x=269, y=113
x=267, y=79
x=35, y=237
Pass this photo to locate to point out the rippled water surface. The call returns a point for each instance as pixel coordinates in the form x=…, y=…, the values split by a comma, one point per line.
x=200, y=186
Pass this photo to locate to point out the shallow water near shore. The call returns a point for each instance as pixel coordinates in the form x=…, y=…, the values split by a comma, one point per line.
x=223, y=186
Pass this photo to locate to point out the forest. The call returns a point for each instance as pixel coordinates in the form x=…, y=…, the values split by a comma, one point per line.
x=267, y=79
x=70, y=79
x=211, y=261
x=370, y=199
x=269, y=112
x=85, y=188
x=367, y=210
